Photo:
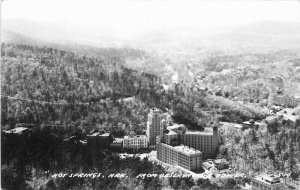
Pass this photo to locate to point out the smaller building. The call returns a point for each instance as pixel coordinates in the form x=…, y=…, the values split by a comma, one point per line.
x=136, y=142
x=251, y=123
x=117, y=144
x=287, y=114
x=227, y=126
x=270, y=182
x=208, y=165
x=221, y=164
x=285, y=100
x=17, y=131
x=72, y=140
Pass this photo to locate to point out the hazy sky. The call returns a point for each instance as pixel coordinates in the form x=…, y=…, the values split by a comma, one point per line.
x=128, y=18
x=136, y=15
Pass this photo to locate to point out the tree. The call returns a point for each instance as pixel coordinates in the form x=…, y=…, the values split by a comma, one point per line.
x=183, y=186
x=230, y=184
x=237, y=139
x=253, y=135
x=155, y=184
x=204, y=183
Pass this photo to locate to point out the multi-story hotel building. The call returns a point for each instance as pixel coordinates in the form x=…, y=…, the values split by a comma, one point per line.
x=136, y=142
x=206, y=141
x=268, y=182
x=193, y=144
x=153, y=126
x=183, y=156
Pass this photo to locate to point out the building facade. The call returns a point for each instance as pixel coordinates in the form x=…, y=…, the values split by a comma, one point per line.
x=284, y=100
x=267, y=182
x=153, y=126
x=136, y=142
x=183, y=156
x=100, y=140
x=253, y=124
x=117, y=144
x=206, y=141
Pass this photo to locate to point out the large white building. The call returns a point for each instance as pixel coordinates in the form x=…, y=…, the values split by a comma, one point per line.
x=269, y=182
x=184, y=156
x=136, y=142
x=206, y=141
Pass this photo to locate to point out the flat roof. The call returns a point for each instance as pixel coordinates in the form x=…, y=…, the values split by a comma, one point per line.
x=199, y=132
x=255, y=123
x=99, y=134
x=140, y=136
x=172, y=133
x=176, y=126
x=94, y=134
x=219, y=161
x=16, y=130
x=118, y=140
x=236, y=125
x=136, y=136
x=208, y=164
x=186, y=149
x=155, y=110
x=268, y=179
x=105, y=134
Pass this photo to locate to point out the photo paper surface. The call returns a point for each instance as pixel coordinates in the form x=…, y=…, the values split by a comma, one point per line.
x=148, y=94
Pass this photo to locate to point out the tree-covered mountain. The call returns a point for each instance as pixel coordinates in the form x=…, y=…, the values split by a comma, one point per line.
x=58, y=94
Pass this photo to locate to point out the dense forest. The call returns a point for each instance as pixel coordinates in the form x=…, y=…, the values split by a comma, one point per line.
x=58, y=94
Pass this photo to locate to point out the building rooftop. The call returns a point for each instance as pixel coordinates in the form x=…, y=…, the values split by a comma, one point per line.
x=255, y=123
x=155, y=110
x=137, y=136
x=129, y=99
x=220, y=161
x=208, y=164
x=186, y=150
x=176, y=126
x=249, y=122
x=269, y=179
x=99, y=134
x=292, y=118
x=118, y=140
x=140, y=136
x=235, y=125
x=172, y=133
x=17, y=130
x=94, y=134
x=105, y=134
x=207, y=131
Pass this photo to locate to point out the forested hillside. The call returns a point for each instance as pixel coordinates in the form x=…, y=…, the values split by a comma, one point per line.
x=58, y=94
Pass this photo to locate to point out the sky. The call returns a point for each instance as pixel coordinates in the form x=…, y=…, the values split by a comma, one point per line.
x=130, y=18
x=134, y=14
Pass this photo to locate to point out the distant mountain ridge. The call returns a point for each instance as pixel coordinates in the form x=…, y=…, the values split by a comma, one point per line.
x=17, y=38
x=254, y=36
